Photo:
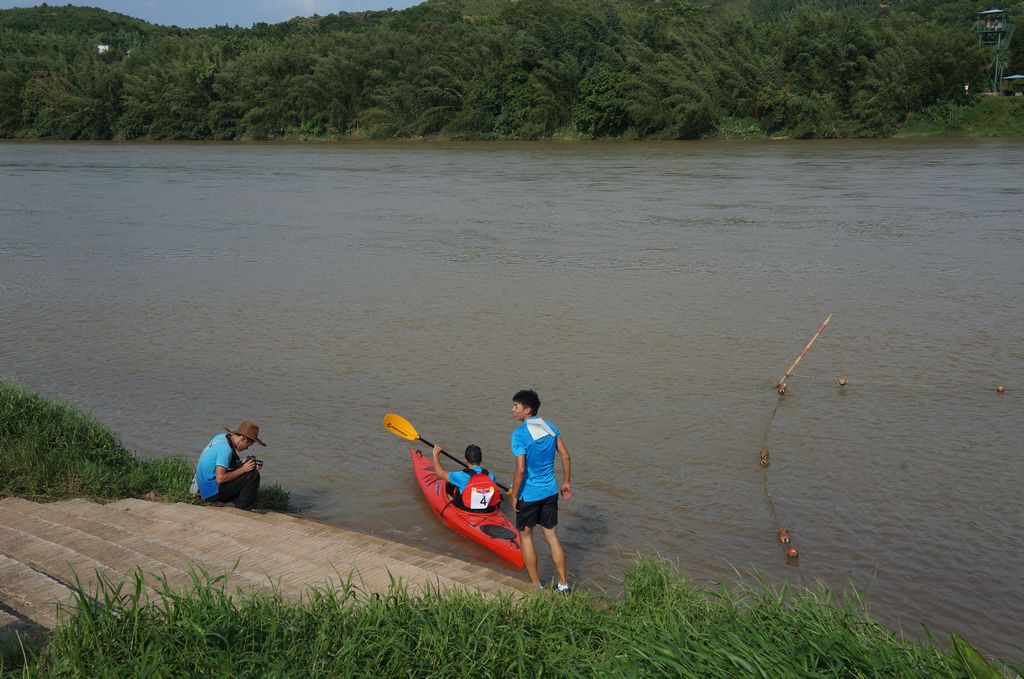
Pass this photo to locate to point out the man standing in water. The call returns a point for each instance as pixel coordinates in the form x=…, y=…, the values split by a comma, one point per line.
x=534, y=487
x=221, y=476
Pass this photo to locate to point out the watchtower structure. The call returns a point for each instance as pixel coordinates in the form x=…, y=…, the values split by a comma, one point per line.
x=994, y=31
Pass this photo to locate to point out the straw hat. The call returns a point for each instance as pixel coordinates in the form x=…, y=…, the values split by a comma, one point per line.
x=249, y=430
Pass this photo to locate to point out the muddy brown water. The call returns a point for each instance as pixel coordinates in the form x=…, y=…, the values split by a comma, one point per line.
x=652, y=293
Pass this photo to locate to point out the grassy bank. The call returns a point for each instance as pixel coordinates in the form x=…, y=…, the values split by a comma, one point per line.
x=663, y=627
x=981, y=116
x=50, y=450
x=986, y=117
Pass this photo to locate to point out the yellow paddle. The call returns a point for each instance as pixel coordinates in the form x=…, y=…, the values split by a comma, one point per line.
x=399, y=426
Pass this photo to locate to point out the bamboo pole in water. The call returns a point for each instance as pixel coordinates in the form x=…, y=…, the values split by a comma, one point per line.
x=781, y=386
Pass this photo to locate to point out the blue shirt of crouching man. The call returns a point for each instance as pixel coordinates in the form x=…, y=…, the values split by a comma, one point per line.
x=221, y=476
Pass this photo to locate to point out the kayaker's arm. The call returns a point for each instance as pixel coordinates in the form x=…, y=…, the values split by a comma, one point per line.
x=438, y=469
x=563, y=453
x=517, y=480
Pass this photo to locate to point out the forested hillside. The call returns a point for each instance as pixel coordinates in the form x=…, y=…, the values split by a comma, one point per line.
x=497, y=69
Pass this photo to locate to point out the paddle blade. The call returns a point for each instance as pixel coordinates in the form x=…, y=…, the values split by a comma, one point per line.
x=398, y=425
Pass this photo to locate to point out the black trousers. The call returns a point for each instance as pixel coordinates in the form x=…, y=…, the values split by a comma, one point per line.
x=240, y=490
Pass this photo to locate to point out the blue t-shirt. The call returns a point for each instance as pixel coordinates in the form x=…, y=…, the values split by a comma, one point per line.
x=216, y=454
x=460, y=478
x=537, y=439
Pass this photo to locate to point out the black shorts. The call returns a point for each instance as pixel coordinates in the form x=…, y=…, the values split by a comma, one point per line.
x=544, y=512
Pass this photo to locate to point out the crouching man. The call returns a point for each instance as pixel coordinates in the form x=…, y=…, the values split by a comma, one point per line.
x=221, y=476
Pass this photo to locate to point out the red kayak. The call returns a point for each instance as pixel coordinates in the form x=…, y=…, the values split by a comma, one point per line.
x=492, y=529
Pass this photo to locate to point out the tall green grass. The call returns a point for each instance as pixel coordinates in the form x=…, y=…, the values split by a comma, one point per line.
x=50, y=450
x=664, y=627
x=981, y=117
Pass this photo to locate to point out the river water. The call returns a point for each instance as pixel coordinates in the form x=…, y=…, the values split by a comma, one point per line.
x=653, y=294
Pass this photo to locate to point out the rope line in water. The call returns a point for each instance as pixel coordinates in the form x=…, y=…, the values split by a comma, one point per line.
x=884, y=383
x=842, y=381
x=767, y=490
x=781, y=533
x=765, y=463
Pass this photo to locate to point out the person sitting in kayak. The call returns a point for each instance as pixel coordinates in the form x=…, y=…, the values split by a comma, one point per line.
x=473, y=488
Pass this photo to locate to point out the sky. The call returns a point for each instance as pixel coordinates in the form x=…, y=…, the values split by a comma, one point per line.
x=196, y=13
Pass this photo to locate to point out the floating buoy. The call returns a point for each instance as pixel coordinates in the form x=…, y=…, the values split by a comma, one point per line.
x=781, y=386
x=1000, y=389
x=784, y=536
x=764, y=457
x=792, y=553
x=842, y=381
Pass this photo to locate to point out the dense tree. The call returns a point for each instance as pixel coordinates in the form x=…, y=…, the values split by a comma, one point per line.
x=486, y=69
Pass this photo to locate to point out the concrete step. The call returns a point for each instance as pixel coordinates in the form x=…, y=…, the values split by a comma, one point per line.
x=217, y=553
x=43, y=547
x=136, y=534
x=60, y=562
x=116, y=557
x=13, y=625
x=335, y=549
x=286, y=558
x=30, y=594
x=316, y=560
x=268, y=516
x=446, y=571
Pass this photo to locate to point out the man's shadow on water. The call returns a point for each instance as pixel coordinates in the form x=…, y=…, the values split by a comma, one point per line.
x=584, y=535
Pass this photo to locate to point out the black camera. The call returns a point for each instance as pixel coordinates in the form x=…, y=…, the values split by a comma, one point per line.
x=259, y=463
